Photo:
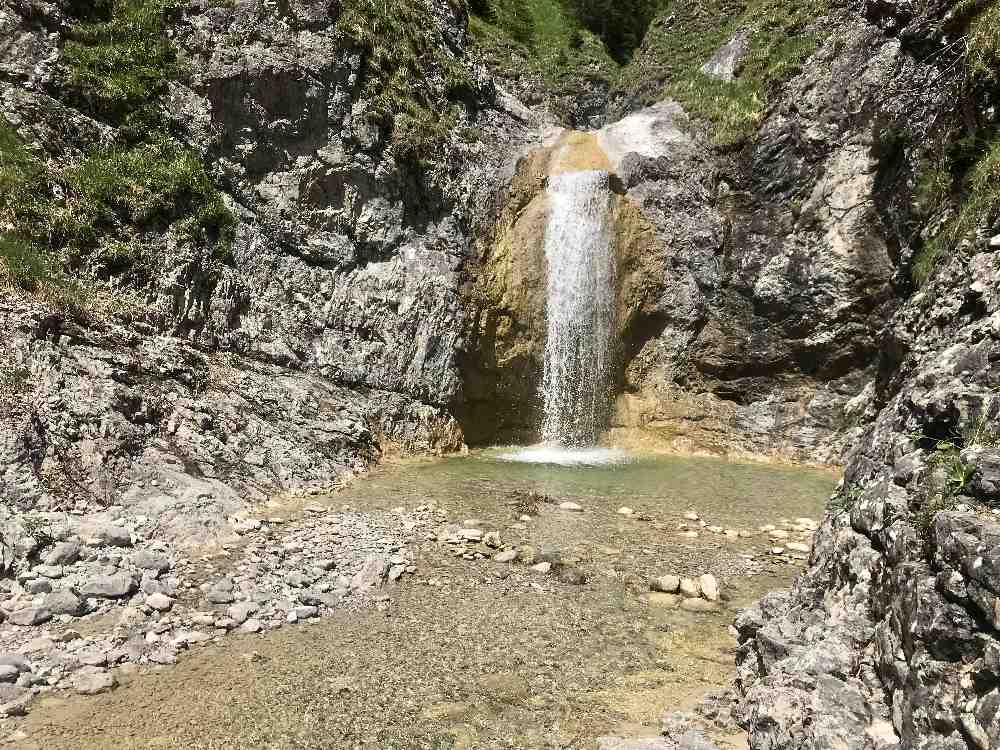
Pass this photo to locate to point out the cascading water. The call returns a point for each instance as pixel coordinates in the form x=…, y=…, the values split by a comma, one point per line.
x=582, y=272
x=582, y=280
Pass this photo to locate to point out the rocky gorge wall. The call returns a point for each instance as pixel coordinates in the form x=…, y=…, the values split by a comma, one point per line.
x=328, y=337
x=890, y=639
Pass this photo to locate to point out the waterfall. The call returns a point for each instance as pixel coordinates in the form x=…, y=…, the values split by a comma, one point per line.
x=581, y=308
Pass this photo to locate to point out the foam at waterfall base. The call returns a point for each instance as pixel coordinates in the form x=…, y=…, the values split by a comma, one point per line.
x=558, y=455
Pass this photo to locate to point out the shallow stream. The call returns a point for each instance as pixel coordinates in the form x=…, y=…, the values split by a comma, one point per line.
x=478, y=654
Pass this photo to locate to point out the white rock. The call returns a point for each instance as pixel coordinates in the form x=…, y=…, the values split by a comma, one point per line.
x=159, y=602
x=625, y=511
x=571, y=507
x=689, y=587
x=709, y=587
x=544, y=567
x=665, y=584
x=692, y=516
x=698, y=605
x=92, y=680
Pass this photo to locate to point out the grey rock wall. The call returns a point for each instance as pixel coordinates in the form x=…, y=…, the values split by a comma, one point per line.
x=890, y=639
x=328, y=338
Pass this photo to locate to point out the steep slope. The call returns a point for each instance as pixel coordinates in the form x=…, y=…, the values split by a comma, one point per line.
x=232, y=236
x=890, y=638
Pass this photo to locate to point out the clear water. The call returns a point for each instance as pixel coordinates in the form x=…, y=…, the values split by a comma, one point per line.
x=580, y=308
x=726, y=493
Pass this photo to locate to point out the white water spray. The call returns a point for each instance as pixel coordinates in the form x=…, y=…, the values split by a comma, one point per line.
x=581, y=309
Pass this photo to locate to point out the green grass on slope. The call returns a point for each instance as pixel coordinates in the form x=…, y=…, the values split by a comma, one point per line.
x=118, y=62
x=549, y=43
x=962, y=175
x=576, y=42
x=119, y=59
x=688, y=32
x=405, y=57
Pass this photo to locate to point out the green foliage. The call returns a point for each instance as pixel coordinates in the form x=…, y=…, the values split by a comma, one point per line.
x=513, y=17
x=980, y=191
x=404, y=57
x=687, y=33
x=844, y=499
x=560, y=51
x=21, y=179
x=620, y=24
x=119, y=59
x=965, y=167
x=152, y=184
x=947, y=478
x=984, y=43
x=25, y=265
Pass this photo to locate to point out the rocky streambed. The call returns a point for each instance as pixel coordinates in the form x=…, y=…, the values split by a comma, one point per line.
x=463, y=602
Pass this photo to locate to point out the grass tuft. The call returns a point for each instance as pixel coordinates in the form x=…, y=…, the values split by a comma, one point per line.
x=407, y=63
x=119, y=59
x=687, y=33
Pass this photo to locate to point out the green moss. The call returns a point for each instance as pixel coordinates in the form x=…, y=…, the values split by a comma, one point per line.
x=119, y=64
